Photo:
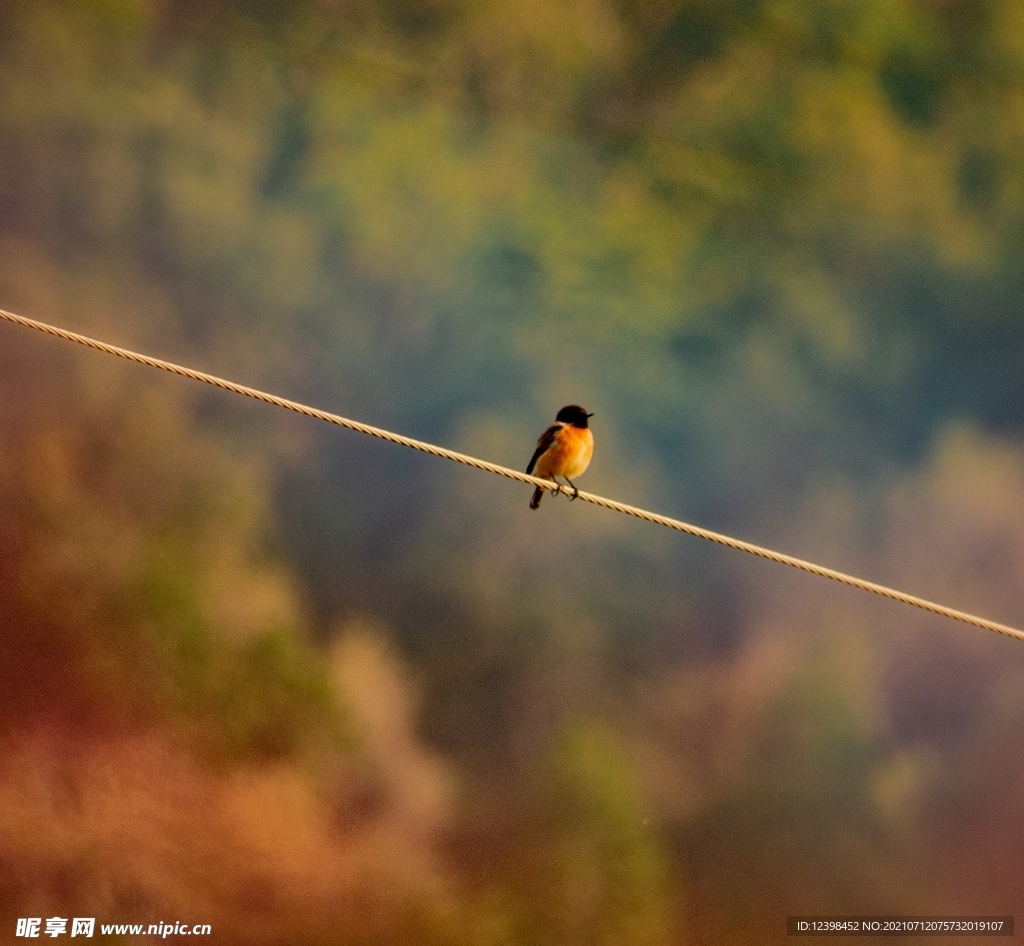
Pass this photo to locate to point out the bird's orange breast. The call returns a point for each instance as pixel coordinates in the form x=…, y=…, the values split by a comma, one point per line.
x=569, y=455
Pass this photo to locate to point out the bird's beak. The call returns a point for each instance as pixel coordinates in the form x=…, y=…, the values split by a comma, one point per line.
x=591, y=414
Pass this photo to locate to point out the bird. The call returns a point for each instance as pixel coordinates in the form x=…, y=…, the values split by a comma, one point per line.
x=564, y=450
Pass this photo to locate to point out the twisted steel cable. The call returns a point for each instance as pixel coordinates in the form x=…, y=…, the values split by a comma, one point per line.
x=761, y=552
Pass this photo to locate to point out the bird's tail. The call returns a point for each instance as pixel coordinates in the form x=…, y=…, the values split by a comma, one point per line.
x=538, y=495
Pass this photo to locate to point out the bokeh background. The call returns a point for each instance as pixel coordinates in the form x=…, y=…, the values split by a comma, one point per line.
x=311, y=688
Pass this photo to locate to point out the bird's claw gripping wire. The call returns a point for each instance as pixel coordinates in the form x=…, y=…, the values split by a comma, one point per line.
x=559, y=490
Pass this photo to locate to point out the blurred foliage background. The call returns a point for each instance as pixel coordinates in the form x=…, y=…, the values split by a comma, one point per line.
x=313, y=689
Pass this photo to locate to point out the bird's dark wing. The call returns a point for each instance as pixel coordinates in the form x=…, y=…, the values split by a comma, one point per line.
x=546, y=440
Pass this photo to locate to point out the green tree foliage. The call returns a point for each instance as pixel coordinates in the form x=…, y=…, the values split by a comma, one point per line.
x=607, y=877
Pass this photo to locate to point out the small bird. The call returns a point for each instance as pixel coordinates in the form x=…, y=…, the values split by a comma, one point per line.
x=564, y=450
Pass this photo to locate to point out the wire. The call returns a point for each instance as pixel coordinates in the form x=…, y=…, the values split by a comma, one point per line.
x=434, y=450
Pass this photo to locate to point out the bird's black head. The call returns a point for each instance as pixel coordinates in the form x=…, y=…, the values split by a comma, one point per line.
x=574, y=415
